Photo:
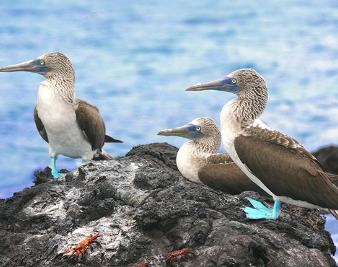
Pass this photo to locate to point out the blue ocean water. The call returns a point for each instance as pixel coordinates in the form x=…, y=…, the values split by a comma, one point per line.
x=134, y=59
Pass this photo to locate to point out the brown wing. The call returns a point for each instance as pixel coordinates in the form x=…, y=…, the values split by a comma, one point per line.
x=228, y=178
x=219, y=158
x=333, y=178
x=286, y=168
x=39, y=125
x=90, y=121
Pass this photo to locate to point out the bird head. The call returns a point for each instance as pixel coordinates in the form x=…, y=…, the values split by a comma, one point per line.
x=239, y=82
x=194, y=130
x=47, y=65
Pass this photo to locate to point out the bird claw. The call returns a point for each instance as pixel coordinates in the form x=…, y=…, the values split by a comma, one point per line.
x=54, y=171
x=260, y=211
x=259, y=206
x=56, y=174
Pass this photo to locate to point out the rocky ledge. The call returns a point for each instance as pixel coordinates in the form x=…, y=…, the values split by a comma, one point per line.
x=143, y=209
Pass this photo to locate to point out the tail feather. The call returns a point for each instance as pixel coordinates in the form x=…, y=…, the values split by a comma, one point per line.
x=102, y=156
x=109, y=139
x=105, y=155
x=334, y=213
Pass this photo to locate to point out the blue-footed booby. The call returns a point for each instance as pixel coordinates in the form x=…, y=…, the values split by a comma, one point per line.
x=70, y=126
x=277, y=163
x=199, y=162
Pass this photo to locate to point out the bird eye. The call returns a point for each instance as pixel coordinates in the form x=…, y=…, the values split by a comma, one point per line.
x=42, y=62
x=198, y=128
x=233, y=80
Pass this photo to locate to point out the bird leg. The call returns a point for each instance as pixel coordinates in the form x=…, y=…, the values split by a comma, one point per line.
x=54, y=171
x=260, y=211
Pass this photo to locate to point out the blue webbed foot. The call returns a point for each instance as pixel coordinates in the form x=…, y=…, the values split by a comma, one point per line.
x=260, y=211
x=54, y=171
x=56, y=174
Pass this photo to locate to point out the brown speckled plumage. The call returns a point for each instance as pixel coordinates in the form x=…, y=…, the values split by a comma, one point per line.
x=276, y=162
x=198, y=159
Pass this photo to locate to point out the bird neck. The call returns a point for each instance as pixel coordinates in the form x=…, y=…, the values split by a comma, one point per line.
x=247, y=107
x=207, y=145
x=62, y=86
x=62, y=78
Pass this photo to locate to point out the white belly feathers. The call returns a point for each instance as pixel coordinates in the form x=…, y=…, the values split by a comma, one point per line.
x=59, y=119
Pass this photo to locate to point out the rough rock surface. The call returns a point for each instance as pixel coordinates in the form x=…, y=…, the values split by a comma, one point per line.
x=143, y=208
x=328, y=158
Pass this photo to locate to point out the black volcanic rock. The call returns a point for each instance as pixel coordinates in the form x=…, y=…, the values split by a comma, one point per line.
x=143, y=209
x=328, y=158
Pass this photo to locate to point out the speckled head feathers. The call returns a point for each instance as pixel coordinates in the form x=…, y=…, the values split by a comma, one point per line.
x=208, y=127
x=249, y=86
x=201, y=130
x=249, y=80
x=252, y=96
x=58, y=64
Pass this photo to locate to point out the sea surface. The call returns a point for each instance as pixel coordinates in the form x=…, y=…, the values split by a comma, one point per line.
x=134, y=59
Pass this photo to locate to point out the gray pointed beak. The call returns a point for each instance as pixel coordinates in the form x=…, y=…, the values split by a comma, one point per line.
x=25, y=66
x=185, y=131
x=226, y=84
x=182, y=131
x=31, y=66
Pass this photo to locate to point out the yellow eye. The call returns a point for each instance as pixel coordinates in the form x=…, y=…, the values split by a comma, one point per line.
x=42, y=62
x=233, y=80
x=198, y=128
